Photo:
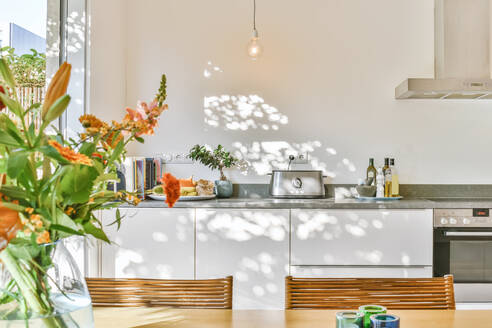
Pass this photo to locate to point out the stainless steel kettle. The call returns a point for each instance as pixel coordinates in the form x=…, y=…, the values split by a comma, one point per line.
x=297, y=184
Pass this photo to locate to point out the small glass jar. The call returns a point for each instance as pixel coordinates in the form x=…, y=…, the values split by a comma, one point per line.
x=368, y=310
x=349, y=319
x=385, y=321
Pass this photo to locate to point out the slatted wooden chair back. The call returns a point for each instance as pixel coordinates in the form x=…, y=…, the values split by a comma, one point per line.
x=334, y=293
x=209, y=293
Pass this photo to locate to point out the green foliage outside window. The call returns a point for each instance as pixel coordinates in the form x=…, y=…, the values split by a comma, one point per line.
x=29, y=70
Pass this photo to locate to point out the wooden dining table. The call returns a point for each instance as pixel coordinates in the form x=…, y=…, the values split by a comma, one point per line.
x=187, y=318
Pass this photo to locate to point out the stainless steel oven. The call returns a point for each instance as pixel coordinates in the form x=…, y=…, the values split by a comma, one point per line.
x=463, y=247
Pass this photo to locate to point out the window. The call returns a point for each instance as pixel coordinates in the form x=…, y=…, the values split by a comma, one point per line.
x=36, y=36
x=41, y=34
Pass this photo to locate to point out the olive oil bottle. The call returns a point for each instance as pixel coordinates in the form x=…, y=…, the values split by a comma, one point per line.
x=395, y=185
x=387, y=178
x=371, y=172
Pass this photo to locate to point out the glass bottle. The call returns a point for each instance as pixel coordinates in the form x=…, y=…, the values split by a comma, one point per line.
x=395, y=184
x=380, y=182
x=387, y=178
x=371, y=172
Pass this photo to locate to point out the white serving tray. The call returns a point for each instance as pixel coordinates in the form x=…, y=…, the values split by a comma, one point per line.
x=379, y=198
x=182, y=198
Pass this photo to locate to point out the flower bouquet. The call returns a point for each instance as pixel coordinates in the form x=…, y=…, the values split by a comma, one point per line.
x=50, y=189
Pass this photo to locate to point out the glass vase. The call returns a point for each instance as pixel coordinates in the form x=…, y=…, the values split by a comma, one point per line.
x=41, y=286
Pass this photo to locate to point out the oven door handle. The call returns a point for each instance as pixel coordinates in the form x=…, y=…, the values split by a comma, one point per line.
x=468, y=233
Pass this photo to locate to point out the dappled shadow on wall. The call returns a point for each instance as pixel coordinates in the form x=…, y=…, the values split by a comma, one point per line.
x=242, y=112
x=264, y=156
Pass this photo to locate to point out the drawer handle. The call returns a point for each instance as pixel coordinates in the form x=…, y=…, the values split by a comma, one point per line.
x=382, y=266
x=468, y=233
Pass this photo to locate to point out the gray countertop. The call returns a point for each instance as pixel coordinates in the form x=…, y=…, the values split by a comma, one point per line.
x=327, y=203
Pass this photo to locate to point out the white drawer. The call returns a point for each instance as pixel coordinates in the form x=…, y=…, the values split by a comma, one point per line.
x=361, y=237
x=251, y=245
x=151, y=243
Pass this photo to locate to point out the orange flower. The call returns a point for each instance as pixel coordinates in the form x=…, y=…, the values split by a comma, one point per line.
x=29, y=210
x=43, y=237
x=70, y=155
x=97, y=155
x=135, y=115
x=90, y=121
x=172, y=189
x=57, y=88
x=9, y=225
x=2, y=105
x=112, y=143
x=36, y=221
x=144, y=119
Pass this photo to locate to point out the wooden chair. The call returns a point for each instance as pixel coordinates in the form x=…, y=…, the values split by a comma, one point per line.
x=334, y=293
x=209, y=293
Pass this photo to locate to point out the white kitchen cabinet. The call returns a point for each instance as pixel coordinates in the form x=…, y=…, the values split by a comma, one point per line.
x=151, y=243
x=361, y=272
x=252, y=246
x=361, y=237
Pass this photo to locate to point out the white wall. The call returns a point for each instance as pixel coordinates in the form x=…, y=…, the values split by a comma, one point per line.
x=107, y=58
x=329, y=68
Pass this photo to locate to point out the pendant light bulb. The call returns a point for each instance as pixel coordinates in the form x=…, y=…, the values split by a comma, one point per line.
x=255, y=49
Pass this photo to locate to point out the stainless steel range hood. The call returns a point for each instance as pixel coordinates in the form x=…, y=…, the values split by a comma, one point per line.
x=462, y=69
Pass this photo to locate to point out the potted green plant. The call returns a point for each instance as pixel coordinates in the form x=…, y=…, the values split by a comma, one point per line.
x=216, y=159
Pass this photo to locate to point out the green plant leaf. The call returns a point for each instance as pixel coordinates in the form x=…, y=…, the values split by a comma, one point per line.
x=76, y=184
x=66, y=231
x=106, y=177
x=140, y=139
x=16, y=164
x=88, y=148
x=117, y=151
x=6, y=74
x=24, y=253
x=19, y=242
x=32, y=108
x=98, y=166
x=117, y=221
x=14, y=106
x=13, y=192
x=57, y=108
x=9, y=127
x=64, y=220
x=7, y=139
x=53, y=153
x=95, y=231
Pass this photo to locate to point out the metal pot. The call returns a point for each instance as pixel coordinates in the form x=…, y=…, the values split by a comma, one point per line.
x=297, y=184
